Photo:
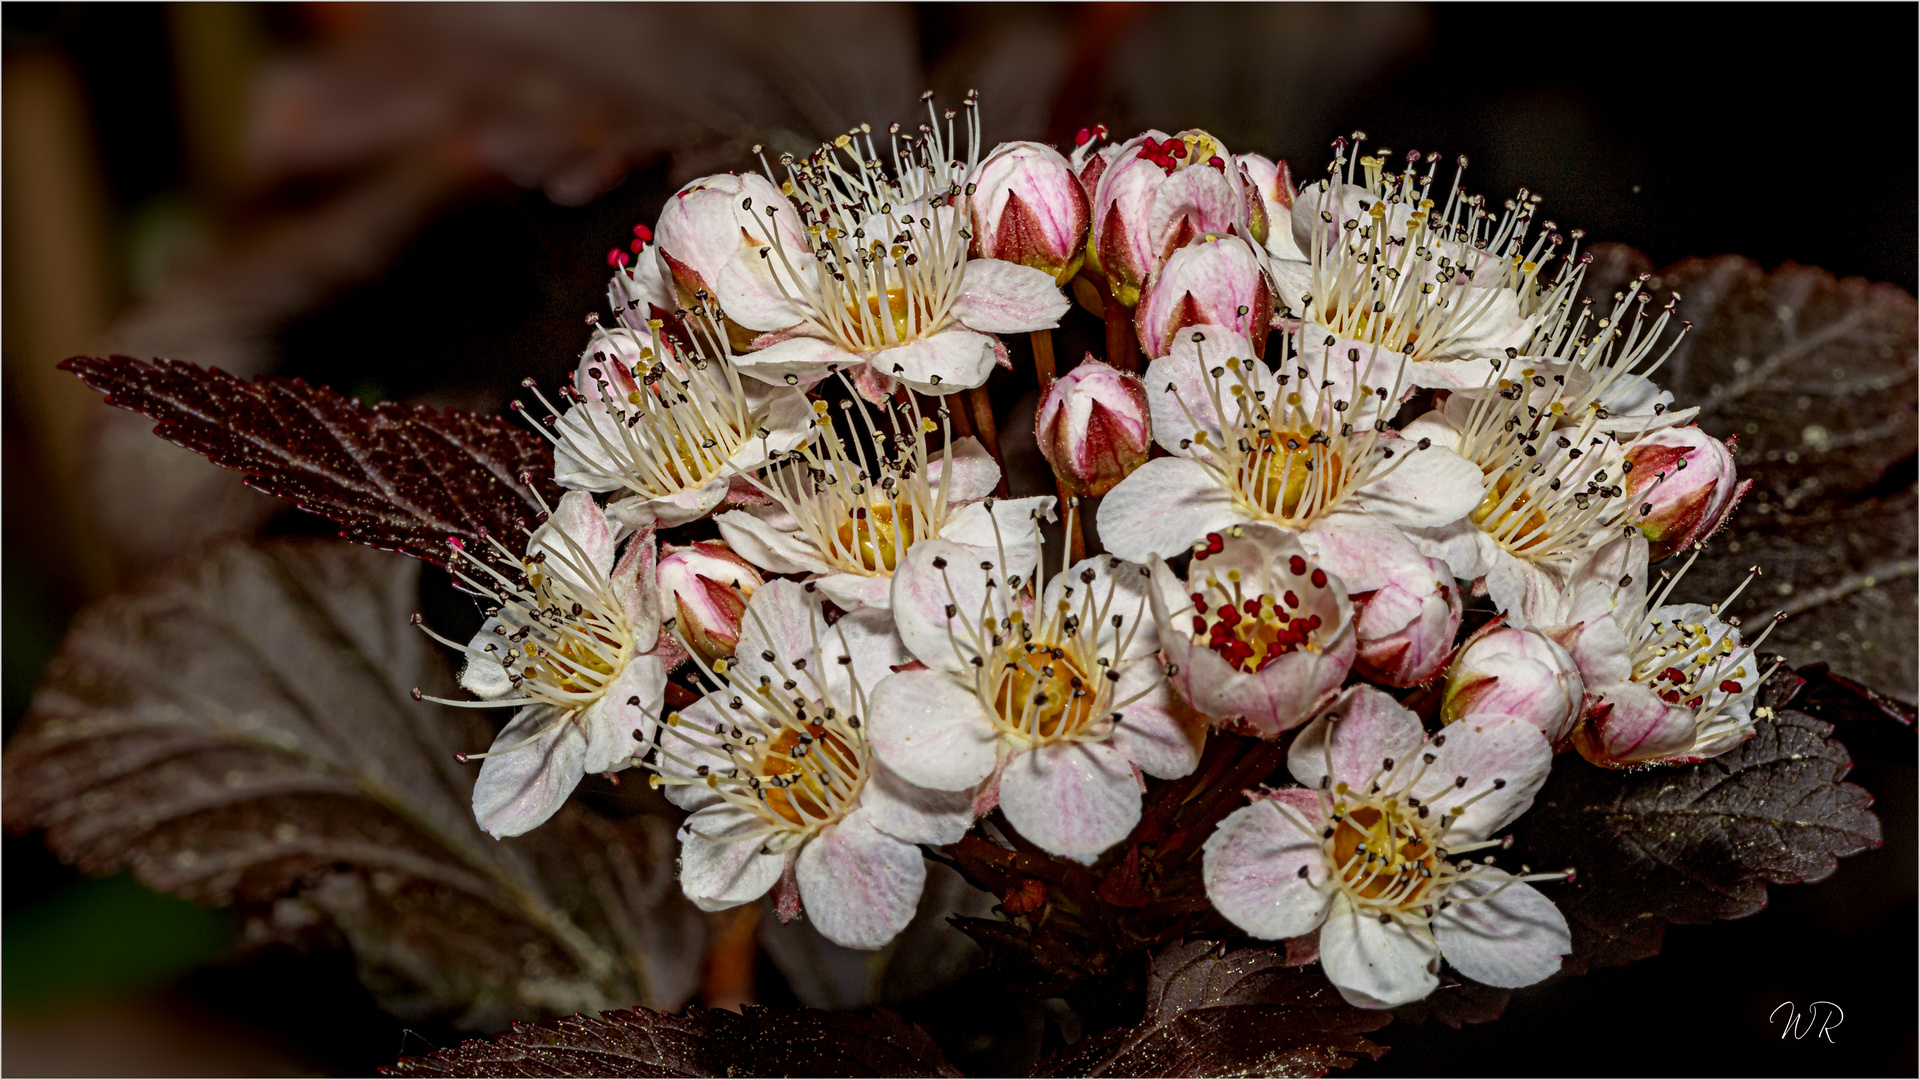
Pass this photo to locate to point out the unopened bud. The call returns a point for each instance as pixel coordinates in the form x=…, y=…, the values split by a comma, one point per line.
x=1216, y=281
x=1030, y=209
x=1158, y=194
x=1693, y=497
x=1093, y=427
x=1523, y=674
x=1406, y=627
x=710, y=586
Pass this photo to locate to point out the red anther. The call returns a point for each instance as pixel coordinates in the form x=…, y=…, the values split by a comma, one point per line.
x=456, y=543
x=1099, y=131
x=1217, y=163
x=1082, y=137
x=1297, y=564
x=1216, y=543
x=1313, y=622
x=1670, y=696
x=1319, y=578
x=617, y=258
x=637, y=246
x=1147, y=144
x=460, y=757
x=1694, y=702
x=1728, y=686
x=1199, y=624
x=1252, y=606
x=1176, y=148
x=1200, y=601
x=1229, y=616
x=1673, y=674
x=1291, y=599
x=645, y=234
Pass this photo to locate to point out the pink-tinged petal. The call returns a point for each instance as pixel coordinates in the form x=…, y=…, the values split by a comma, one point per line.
x=1263, y=873
x=1434, y=426
x=520, y=789
x=1214, y=281
x=1104, y=588
x=998, y=297
x=1157, y=730
x=868, y=639
x=750, y=289
x=1429, y=488
x=1515, y=939
x=1192, y=202
x=1279, y=698
x=636, y=582
x=1630, y=724
x=580, y=461
x=1376, y=965
x=632, y=704
x=717, y=873
x=782, y=619
x=930, y=728
x=944, y=363
x=758, y=535
x=856, y=592
x=1361, y=551
x=993, y=526
x=577, y=541
x=481, y=677
x=1073, y=799
x=1161, y=509
x=1518, y=586
x=938, y=593
x=1360, y=732
x=974, y=472
x=912, y=813
x=689, y=744
x=804, y=359
x=859, y=885
x=1504, y=762
x=1468, y=552
x=1180, y=390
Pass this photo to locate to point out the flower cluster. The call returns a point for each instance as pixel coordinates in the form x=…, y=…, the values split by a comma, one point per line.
x=1380, y=441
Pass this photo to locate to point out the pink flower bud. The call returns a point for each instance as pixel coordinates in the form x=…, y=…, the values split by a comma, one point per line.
x=1029, y=208
x=1215, y=281
x=710, y=586
x=704, y=223
x=1504, y=672
x=1093, y=427
x=1682, y=487
x=1270, y=183
x=1159, y=192
x=1406, y=627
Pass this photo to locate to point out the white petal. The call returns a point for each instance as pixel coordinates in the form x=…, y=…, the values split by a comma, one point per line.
x=631, y=704
x=1098, y=590
x=1376, y=965
x=1158, y=731
x=1011, y=527
x=1468, y=552
x=930, y=728
x=1429, y=488
x=944, y=363
x=577, y=541
x=1073, y=799
x=1000, y=297
x=481, y=677
x=581, y=461
x=1180, y=391
x=938, y=575
x=521, y=789
x=806, y=359
x=860, y=886
x=857, y=592
x=717, y=873
x=1360, y=731
x=767, y=545
x=975, y=473
x=869, y=638
x=750, y=293
x=1515, y=939
x=1253, y=861
x=1162, y=508
x=1484, y=752
x=782, y=619
x=912, y=813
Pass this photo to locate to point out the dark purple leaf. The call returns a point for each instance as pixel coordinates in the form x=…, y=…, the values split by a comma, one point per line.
x=696, y=1042
x=397, y=477
x=1211, y=1012
x=1693, y=845
x=241, y=731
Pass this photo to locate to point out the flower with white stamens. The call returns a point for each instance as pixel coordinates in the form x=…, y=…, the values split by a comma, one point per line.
x=671, y=431
x=1684, y=683
x=1050, y=704
x=1257, y=633
x=1372, y=854
x=1305, y=447
x=879, y=281
x=847, y=509
x=573, y=639
x=777, y=766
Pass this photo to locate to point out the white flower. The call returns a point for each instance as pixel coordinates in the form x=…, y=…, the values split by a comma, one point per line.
x=574, y=640
x=777, y=767
x=847, y=514
x=1305, y=448
x=880, y=281
x=674, y=432
x=1051, y=709
x=1371, y=853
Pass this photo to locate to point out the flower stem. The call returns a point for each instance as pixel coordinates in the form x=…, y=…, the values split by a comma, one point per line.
x=983, y=426
x=1043, y=358
x=1123, y=348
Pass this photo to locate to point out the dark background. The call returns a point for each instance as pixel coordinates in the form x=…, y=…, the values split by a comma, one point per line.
x=1779, y=132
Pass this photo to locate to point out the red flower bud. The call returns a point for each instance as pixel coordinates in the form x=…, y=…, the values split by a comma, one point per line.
x=1093, y=427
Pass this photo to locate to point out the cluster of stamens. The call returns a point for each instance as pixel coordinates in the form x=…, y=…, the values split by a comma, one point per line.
x=1251, y=632
x=870, y=290
x=1694, y=665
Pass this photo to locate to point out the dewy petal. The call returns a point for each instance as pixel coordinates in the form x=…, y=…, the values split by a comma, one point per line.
x=806, y=359
x=1118, y=588
x=521, y=789
x=1376, y=965
x=1515, y=939
x=1073, y=799
x=716, y=873
x=860, y=886
x=757, y=535
x=1432, y=487
x=1253, y=861
x=1483, y=752
x=930, y=728
x=999, y=297
x=944, y=363
x=1162, y=508
x=1158, y=731
x=975, y=473
x=911, y=813
x=1360, y=731
x=631, y=704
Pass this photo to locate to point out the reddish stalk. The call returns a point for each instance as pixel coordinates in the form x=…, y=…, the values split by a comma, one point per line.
x=727, y=982
x=1123, y=347
x=1043, y=366
x=983, y=426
